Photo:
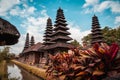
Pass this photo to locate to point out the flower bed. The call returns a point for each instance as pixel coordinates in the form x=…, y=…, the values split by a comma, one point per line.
x=96, y=63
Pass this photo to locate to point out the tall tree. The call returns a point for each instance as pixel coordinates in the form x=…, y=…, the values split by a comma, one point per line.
x=76, y=43
x=110, y=35
x=87, y=39
x=4, y=53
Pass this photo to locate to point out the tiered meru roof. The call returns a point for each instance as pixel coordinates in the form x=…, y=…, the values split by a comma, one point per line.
x=60, y=34
x=26, y=42
x=96, y=31
x=48, y=32
x=32, y=42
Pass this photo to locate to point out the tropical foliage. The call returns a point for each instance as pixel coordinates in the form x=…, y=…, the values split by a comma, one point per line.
x=110, y=35
x=90, y=64
x=76, y=43
x=5, y=54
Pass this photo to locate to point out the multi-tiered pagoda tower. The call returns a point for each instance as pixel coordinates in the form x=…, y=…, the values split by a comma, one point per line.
x=26, y=42
x=47, y=40
x=48, y=33
x=32, y=42
x=60, y=34
x=96, y=31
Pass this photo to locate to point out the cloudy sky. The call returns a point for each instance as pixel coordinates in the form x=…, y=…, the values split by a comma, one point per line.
x=31, y=15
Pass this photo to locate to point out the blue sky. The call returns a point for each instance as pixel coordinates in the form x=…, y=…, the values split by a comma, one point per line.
x=31, y=15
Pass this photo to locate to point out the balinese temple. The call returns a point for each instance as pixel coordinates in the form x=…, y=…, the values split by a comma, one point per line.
x=9, y=34
x=48, y=33
x=26, y=42
x=47, y=39
x=32, y=42
x=30, y=53
x=96, y=31
x=26, y=46
x=60, y=35
x=55, y=41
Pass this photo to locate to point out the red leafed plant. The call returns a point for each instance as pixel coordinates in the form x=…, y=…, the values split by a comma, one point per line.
x=90, y=64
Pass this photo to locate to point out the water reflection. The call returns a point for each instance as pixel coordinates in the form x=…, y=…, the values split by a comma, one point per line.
x=14, y=72
x=19, y=73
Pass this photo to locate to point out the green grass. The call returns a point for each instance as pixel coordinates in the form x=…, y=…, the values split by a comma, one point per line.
x=34, y=70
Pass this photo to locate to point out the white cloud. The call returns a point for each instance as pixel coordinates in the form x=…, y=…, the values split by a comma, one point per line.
x=15, y=11
x=13, y=8
x=115, y=7
x=26, y=12
x=96, y=6
x=7, y=5
x=31, y=10
x=76, y=32
x=90, y=2
x=43, y=12
x=17, y=48
x=88, y=10
x=31, y=0
x=36, y=26
x=42, y=6
x=101, y=7
x=117, y=20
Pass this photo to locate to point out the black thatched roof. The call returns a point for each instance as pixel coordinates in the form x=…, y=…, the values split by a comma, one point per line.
x=8, y=33
x=57, y=45
x=60, y=34
x=33, y=48
x=65, y=38
x=96, y=31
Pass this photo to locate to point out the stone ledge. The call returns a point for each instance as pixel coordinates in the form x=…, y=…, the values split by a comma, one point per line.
x=32, y=69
